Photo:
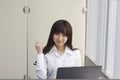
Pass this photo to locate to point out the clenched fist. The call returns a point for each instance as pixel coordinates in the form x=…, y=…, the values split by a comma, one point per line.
x=38, y=47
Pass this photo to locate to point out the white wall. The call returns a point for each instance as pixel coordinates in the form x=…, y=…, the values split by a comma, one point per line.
x=91, y=29
x=102, y=44
x=117, y=43
x=96, y=30
x=113, y=46
x=111, y=38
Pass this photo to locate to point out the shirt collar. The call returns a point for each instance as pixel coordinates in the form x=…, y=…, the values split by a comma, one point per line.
x=53, y=49
x=67, y=50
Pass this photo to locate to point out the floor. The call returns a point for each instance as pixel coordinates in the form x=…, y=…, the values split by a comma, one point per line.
x=88, y=62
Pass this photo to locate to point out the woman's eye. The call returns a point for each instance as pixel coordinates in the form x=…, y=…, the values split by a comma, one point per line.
x=56, y=33
x=64, y=35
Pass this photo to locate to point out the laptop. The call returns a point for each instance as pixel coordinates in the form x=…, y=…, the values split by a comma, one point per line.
x=85, y=72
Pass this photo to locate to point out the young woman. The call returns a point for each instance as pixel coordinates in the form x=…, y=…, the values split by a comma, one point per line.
x=58, y=52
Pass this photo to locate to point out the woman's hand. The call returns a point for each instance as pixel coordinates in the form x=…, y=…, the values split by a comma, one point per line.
x=38, y=47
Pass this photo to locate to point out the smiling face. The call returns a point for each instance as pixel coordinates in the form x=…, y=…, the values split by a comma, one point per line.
x=60, y=39
x=60, y=35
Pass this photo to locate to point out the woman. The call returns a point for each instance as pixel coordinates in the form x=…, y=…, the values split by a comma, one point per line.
x=58, y=52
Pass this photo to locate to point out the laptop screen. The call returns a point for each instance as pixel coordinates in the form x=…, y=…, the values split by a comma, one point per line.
x=85, y=72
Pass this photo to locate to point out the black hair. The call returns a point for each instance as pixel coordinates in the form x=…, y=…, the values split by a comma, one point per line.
x=60, y=26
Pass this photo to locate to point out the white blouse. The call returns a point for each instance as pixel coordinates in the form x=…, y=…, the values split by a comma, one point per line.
x=47, y=65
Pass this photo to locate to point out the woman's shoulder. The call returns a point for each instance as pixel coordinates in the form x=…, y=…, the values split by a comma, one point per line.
x=76, y=51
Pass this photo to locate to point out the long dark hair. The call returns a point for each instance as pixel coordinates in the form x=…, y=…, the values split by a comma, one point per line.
x=60, y=26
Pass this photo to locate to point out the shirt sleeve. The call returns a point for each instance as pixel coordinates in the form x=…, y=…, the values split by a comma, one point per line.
x=41, y=68
x=77, y=58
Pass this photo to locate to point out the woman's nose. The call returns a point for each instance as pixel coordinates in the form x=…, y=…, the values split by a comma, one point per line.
x=60, y=37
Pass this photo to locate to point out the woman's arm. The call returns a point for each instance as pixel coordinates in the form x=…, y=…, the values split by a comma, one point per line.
x=41, y=67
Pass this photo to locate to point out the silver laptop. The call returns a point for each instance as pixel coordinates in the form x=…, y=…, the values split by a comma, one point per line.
x=85, y=72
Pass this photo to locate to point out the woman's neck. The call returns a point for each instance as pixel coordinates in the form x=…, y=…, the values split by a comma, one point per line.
x=60, y=50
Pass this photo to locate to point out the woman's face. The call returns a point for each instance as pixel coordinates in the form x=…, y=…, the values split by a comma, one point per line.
x=60, y=39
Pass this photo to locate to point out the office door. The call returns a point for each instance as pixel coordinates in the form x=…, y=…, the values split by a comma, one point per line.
x=41, y=17
x=12, y=39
